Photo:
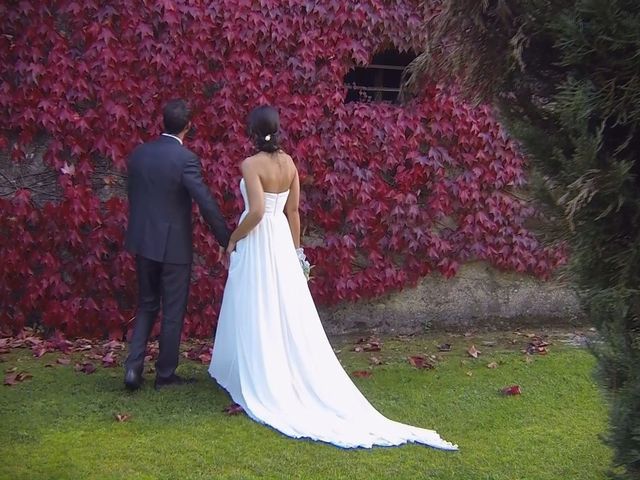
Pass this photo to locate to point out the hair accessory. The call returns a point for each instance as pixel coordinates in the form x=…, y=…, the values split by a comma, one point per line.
x=267, y=138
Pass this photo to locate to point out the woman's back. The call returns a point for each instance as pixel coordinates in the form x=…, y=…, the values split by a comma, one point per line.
x=276, y=170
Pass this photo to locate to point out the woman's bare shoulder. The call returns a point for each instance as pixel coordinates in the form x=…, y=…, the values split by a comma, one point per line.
x=250, y=163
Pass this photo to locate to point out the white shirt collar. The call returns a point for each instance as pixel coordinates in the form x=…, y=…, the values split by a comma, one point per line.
x=173, y=136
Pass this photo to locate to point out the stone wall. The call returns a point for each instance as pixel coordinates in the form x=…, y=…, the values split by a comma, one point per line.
x=479, y=296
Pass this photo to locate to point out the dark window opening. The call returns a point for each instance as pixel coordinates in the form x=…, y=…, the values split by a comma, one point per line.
x=380, y=81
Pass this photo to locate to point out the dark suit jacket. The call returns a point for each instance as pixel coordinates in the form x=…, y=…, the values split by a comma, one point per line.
x=164, y=178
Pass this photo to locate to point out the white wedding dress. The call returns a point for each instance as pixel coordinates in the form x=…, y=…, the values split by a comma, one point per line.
x=273, y=357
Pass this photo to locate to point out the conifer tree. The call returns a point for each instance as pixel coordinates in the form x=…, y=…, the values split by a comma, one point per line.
x=565, y=79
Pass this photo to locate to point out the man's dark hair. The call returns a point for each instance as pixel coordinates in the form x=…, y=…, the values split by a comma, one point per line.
x=176, y=115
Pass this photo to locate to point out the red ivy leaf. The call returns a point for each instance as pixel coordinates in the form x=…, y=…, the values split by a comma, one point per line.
x=511, y=390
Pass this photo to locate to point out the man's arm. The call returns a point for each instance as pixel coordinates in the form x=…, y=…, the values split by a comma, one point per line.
x=192, y=180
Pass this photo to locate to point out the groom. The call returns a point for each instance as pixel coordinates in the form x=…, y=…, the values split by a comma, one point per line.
x=163, y=179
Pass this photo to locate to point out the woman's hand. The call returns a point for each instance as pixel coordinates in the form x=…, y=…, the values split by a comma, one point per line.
x=231, y=247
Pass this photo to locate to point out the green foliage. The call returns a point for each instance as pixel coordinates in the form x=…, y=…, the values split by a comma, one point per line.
x=565, y=76
x=60, y=424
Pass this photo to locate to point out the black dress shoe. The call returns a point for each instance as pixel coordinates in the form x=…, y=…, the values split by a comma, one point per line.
x=172, y=380
x=132, y=379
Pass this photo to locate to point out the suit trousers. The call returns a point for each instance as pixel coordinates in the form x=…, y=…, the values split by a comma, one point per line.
x=166, y=284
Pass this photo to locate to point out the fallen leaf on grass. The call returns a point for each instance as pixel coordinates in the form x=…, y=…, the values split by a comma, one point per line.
x=420, y=361
x=528, y=358
x=233, y=409
x=32, y=341
x=205, y=358
x=372, y=347
x=492, y=365
x=39, y=350
x=113, y=345
x=64, y=361
x=109, y=360
x=371, y=344
x=361, y=373
x=122, y=417
x=152, y=350
x=200, y=354
x=405, y=338
x=14, y=378
x=375, y=361
x=444, y=347
x=49, y=365
x=85, y=367
x=511, y=390
x=473, y=351
x=58, y=343
x=469, y=373
x=11, y=370
x=82, y=345
x=537, y=346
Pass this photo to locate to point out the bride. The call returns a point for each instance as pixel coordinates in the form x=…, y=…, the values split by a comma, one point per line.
x=270, y=352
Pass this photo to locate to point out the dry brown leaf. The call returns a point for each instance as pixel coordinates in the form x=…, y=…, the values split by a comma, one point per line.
x=14, y=378
x=85, y=367
x=233, y=409
x=375, y=361
x=122, y=417
x=473, y=351
x=420, y=361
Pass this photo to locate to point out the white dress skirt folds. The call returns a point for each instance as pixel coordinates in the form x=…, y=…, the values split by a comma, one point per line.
x=273, y=357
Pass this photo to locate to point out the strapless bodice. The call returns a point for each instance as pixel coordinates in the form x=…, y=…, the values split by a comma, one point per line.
x=273, y=202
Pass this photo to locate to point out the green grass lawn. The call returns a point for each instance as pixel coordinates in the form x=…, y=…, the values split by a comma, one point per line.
x=60, y=424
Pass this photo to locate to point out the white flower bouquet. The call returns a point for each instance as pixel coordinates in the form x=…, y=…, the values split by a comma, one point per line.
x=304, y=263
